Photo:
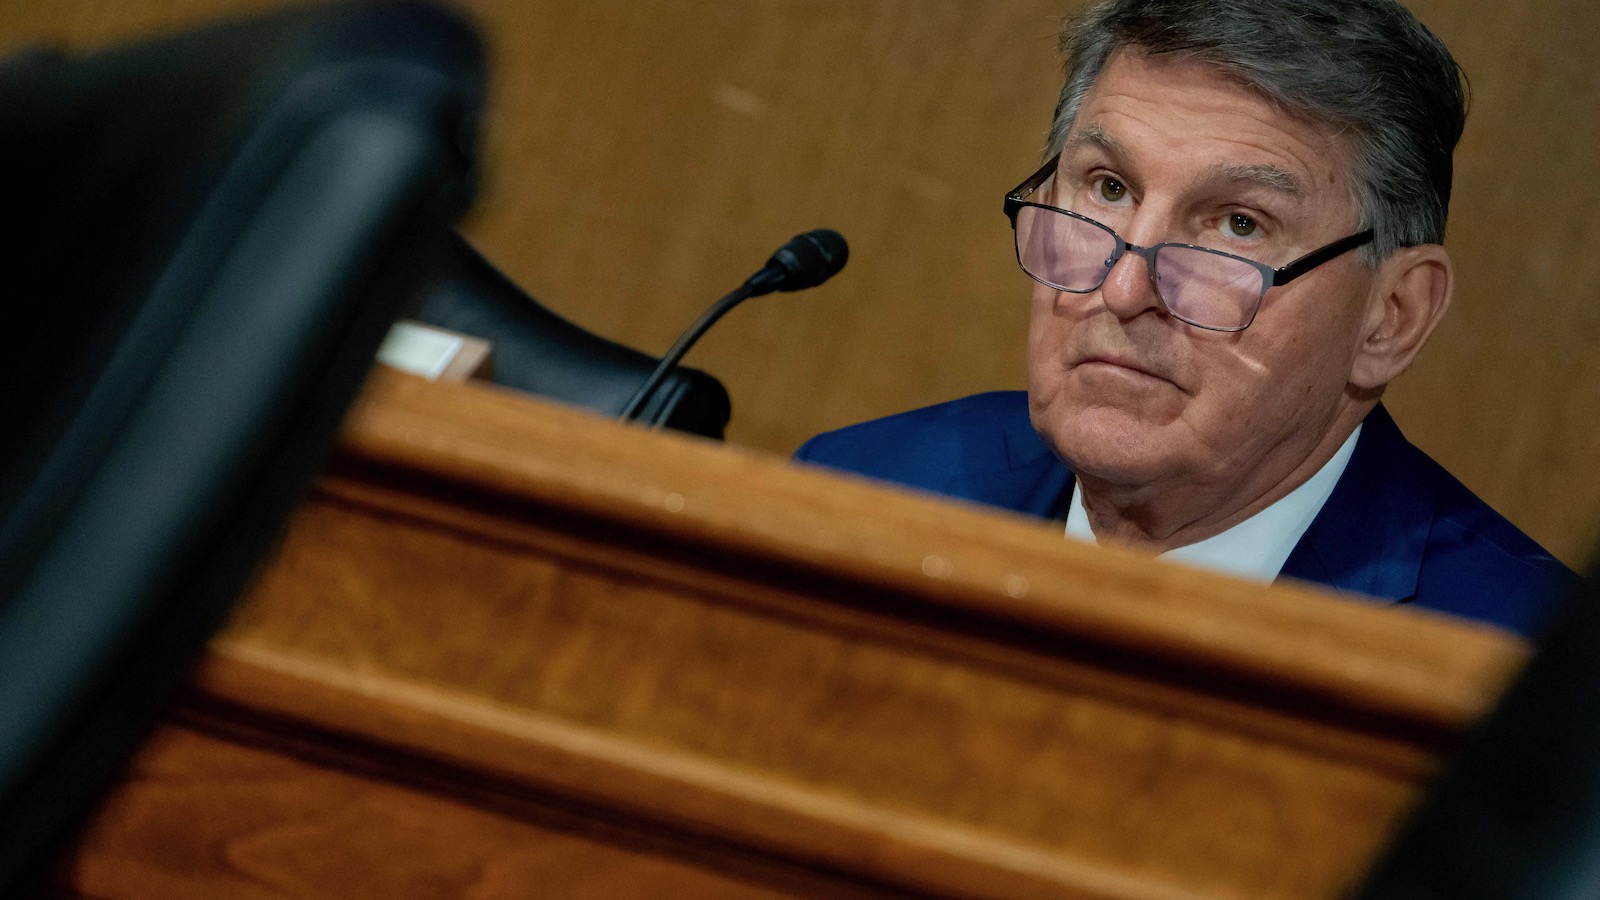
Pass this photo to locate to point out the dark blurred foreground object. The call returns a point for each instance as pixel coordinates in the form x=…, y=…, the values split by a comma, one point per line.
x=1517, y=813
x=537, y=351
x=210, y=235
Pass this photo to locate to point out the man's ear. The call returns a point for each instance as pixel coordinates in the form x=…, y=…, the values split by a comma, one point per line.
x=1409, y=297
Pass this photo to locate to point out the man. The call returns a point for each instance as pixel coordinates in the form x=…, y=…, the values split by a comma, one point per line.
x=1236, y=245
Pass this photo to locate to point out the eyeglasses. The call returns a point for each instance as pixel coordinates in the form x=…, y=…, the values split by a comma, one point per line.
x=1206, y=288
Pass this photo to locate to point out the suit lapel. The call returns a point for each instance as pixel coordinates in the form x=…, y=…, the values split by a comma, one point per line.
x=1368, y=538
x=1028, y=478
x=1370, y=535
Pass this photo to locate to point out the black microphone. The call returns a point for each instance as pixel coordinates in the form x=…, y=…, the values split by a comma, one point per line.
x=807, y=260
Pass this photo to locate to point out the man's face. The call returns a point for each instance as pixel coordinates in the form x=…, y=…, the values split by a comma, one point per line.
x=1166, y=148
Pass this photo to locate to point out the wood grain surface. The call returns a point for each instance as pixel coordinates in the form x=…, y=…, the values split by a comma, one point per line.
x=204, y=816
x=645, y=155
x=524, y=640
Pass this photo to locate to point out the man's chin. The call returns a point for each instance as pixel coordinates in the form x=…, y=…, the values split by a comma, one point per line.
x=1107, y=443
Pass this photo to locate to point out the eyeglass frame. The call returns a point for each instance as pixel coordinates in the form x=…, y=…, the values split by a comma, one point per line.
x=1016, y=199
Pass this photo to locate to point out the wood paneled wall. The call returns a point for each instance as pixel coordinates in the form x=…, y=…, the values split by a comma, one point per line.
x=645, y=155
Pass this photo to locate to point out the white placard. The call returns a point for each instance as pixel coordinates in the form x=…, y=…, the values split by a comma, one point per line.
x=419, y=349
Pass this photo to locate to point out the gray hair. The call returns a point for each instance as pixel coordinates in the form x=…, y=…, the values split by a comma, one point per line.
x=1365, y=68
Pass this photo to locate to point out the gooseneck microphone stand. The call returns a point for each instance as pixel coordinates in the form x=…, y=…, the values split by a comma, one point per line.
x=807, y=260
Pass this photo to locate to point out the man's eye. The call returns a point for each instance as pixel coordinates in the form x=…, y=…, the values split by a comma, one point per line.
x=1241, y=225
x=1111, y=190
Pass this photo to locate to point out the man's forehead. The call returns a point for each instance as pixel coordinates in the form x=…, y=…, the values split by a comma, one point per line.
x=1296, y=152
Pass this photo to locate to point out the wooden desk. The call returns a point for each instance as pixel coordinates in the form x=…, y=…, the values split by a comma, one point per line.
x=510, y=650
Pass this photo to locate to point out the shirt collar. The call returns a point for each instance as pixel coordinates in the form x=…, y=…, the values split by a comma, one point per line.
x=1257, y=547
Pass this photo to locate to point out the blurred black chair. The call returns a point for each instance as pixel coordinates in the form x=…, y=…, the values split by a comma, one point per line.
x=537, y=351
x=1517, y=812
x=206, y=238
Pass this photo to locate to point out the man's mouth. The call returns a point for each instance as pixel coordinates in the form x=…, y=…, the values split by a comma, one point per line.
x=1113, y=361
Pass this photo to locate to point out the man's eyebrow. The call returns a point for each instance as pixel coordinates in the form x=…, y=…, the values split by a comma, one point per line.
x=1093, y=135
x=1268, y=176
x=1275, y=178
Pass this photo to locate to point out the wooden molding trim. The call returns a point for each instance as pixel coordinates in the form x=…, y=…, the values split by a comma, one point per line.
x=1417, y=665
x=780, y=678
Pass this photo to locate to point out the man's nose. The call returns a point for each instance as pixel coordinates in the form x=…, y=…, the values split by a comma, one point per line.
x=1129, y=288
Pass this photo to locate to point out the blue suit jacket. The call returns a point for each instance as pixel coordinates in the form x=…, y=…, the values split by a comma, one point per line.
x=1397, y=527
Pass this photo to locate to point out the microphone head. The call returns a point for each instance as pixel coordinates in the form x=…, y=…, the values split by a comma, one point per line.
x=809, y=259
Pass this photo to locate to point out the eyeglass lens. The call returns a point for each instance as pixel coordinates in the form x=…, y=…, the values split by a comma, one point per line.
x=1200, y=287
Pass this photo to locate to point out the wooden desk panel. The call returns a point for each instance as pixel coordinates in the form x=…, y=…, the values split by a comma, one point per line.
x=552, y=637
x=207, y=815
